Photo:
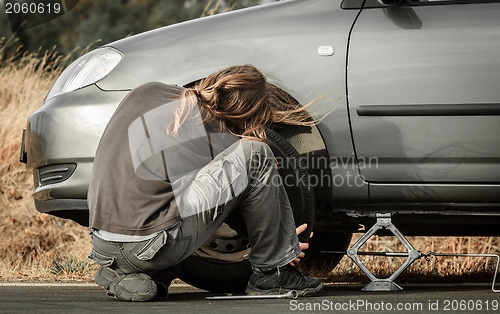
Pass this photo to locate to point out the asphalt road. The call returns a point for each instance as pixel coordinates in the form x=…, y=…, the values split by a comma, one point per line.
x=72, y=298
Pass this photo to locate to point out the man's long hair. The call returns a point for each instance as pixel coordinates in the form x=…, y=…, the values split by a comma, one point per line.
x=243, y=102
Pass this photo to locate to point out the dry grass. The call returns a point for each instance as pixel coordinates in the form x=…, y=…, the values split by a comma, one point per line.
x=31, y=242
x=39, y=247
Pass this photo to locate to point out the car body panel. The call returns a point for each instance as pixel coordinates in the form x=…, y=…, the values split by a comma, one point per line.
x=67, y=129
x=84, y=112
x=443, y=57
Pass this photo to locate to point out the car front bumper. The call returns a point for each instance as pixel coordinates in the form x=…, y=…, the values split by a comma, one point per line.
x=60, y=143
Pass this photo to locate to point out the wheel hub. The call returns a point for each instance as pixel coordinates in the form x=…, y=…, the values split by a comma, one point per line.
x=225, y=245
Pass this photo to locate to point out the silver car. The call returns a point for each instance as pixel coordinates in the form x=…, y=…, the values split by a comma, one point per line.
x=412, y=87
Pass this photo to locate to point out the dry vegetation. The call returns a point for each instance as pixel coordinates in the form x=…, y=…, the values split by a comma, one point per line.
x=34, y=246
x=39, y=247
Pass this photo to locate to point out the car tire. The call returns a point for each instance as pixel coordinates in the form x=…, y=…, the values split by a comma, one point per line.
x=206, y=271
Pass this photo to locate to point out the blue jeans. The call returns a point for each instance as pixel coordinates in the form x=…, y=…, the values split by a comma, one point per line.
x=242, y=180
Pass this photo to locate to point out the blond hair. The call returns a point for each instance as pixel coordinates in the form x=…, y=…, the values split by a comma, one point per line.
x=243, y=102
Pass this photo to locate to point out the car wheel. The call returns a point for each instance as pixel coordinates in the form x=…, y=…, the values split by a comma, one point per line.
x=220, y=265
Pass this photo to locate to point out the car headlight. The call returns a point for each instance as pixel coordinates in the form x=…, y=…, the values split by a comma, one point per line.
x=86, y=70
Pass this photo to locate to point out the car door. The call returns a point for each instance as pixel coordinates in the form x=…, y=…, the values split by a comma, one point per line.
x=424, y=100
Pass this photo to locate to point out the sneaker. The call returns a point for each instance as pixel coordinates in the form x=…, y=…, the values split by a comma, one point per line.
x=282, y=280
x=131, y=287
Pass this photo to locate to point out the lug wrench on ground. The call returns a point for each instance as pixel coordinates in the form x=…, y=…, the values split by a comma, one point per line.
x=289, y=295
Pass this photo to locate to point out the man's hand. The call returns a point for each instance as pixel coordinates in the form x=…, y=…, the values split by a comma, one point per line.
x=302, y=246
